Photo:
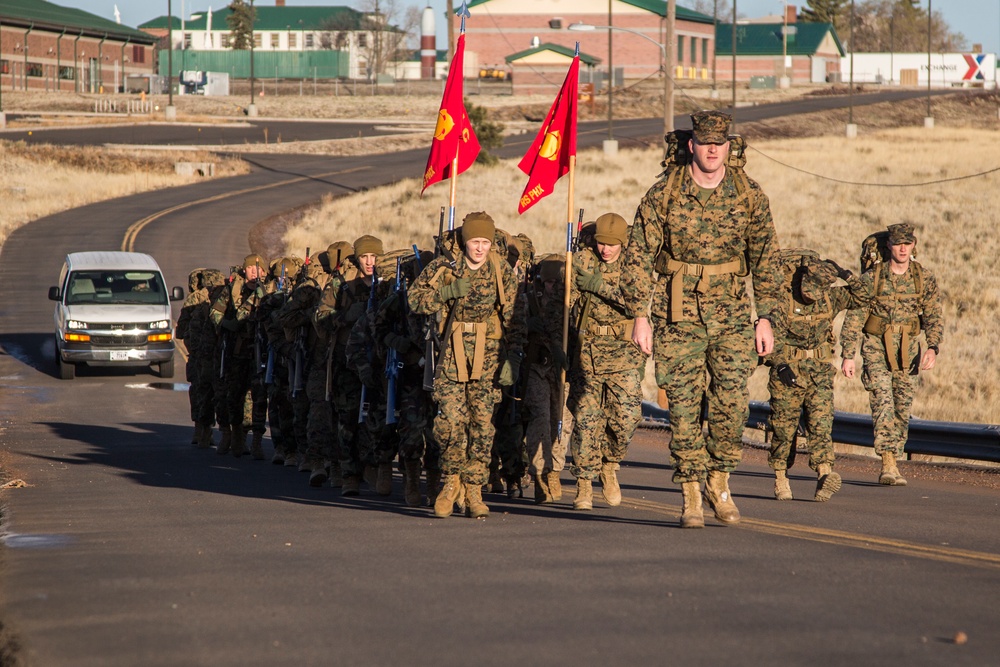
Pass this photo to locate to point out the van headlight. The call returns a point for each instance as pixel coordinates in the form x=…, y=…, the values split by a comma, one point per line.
x=162, y=324
x=75, y=324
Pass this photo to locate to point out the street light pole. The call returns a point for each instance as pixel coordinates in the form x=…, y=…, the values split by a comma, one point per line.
x=784, y=46
x=929, y=120
x=251, y=108
x=734, y=67
x=171, y=111
x=668, y=102
x=668, y=69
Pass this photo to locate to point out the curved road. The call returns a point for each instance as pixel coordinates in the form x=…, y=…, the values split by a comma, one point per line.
x=131, y=547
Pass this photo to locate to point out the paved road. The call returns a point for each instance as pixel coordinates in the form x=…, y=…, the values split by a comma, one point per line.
x=132, y=547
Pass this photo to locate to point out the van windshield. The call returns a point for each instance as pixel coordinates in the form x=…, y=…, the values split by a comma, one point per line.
x=115, y=287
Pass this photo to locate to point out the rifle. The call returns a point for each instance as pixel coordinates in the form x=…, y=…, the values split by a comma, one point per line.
x=432, y=341
x=561, y=387
x=392, y=362
x=365, y=399
x=269, y=368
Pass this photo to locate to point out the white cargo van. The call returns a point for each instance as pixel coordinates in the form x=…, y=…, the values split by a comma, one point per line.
x=113, y=309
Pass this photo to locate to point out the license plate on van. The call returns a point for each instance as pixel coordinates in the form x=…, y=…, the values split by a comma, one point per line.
x=119, y=355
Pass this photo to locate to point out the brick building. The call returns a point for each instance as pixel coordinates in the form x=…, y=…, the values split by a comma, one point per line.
x=44, y=46
x=804, y=52
x=499, y=29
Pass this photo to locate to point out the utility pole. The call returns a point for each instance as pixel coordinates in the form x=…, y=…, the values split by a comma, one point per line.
x=668, y=68
x=171, y=110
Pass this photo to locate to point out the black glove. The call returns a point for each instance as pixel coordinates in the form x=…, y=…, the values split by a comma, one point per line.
x=785, y=375
x=397, y=342
x=230, y=324
x=355, y=311
x=559, y=358
x=842, y=273
x=368, y=377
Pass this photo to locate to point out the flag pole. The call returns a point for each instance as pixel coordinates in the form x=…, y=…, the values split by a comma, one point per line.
x=567, y=286
x=453, y=196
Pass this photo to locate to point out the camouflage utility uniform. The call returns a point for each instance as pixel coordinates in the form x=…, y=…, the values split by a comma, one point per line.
x=606, y=403
x=702, y=243
x=801, y=375
x=901, y=306
x=195, y=328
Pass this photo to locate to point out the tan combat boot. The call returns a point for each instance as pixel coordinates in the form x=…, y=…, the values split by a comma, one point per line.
x=584, y=494
x=227, y=440
x=541, y=484
x=782, y=489
x=474, y=505
x=257, y=447
x=351, y=486
x=278, y=458
x=495, y=482
x=609, y=484
x=383, y=479
x=890, y=473
x=336, y=476
x=444, y=504
x=720, y=498
x=554, y=485
x=370, y=475
x=827, y=483
x=205, y=441
x=196, y=436
x=433, y=486
x=291, y=460
x=411, y=482
x=692, y=515
x=239, y=445
x=317, y=473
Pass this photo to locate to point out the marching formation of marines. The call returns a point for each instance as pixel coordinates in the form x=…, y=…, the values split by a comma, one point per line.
x=450, y=364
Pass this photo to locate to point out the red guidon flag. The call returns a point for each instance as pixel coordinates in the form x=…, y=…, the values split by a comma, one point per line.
x=548, y=158
x=453, y=134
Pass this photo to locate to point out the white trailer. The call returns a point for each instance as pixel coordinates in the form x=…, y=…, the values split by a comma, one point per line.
x=946, y=69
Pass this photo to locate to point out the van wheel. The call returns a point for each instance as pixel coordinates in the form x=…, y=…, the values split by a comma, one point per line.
x=166, y=369
x=67, y=371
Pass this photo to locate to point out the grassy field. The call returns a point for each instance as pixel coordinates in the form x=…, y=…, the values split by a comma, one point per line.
x=827, y=192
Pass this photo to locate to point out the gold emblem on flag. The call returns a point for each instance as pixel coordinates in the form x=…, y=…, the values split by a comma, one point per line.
x=444, y=125
x=550, y=145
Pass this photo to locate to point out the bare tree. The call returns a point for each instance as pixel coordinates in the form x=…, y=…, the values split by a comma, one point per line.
x=710, y=7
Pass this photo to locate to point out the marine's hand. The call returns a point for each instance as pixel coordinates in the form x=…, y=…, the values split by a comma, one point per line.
x=842, y=273
x=368, y=377
x=642, y=335
x=763, y=337
x=455, y=290
x=786, y=375
x=847, y=367
x=398, y=342
x=589, y=282
x=928, y=360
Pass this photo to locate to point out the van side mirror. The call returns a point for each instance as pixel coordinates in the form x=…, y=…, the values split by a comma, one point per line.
x=177, y=294
x=54, y=294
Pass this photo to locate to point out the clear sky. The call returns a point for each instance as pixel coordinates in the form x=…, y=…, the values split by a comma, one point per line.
x=978, y=20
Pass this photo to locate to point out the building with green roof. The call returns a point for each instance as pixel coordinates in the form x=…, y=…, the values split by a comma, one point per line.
x=45, y=46
x=363, y=41
x=500, y=29
x=802, y=52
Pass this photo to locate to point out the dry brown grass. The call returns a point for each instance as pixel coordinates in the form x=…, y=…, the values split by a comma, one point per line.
x=826, y=192
x=40, y=180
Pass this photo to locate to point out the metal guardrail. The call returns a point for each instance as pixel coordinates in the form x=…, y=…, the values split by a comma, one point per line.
x=976, y=442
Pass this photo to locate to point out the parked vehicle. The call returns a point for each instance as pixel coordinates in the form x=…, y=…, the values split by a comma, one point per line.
x=113, y=309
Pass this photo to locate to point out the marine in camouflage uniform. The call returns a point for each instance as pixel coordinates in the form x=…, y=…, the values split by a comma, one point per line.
x=702, y=238
x=801, y=375
x=235, y=315
x=903, y=301
x=341, y=305
x=543, y=359
x=484, y=352
x=400, y=329
x=508, y=463
x=607, y=405
x=306, y=352
x=280, y=412
x=195, y=328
